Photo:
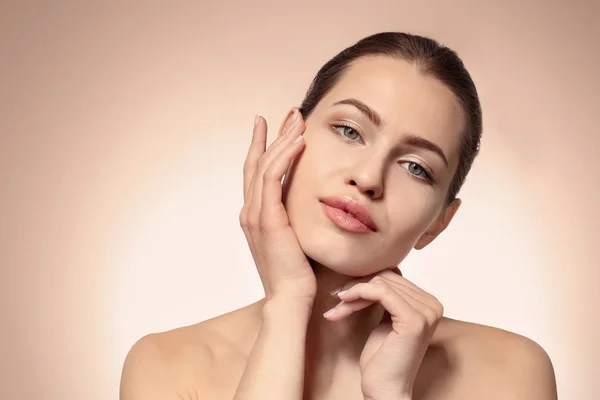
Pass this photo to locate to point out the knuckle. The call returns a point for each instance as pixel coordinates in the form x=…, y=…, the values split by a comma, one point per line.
x=246, y=167
x=243, y=218
x=270, y=173
x=253, y=222
x=353, y=286
x=262, y=162
x=267, y=222
x=264, y=223
x=387, y=290
x=377, y=280
x=383, y=287
x=417, y=322
x=251, y=161
x=437, y=306
x=431, y=316
x=439, y=309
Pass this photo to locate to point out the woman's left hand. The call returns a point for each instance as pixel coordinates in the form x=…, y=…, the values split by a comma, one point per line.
x=395, y=349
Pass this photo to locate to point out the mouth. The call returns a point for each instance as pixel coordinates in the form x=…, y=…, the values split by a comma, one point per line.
x=348, y=214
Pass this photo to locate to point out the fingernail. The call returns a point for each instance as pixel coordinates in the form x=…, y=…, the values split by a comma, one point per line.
x=330, y=312
x=335, y=291
x=299, y=138
x=296, y=116
x=256, y=120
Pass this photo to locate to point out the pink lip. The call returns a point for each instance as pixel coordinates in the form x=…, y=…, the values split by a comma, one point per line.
x=336, y=208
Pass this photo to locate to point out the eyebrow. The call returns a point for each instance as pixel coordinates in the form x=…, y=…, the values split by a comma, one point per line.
x=411, y=139
x=363, y=108
x=418, y=141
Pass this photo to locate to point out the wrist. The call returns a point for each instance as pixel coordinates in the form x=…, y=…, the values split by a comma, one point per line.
x=288, y=307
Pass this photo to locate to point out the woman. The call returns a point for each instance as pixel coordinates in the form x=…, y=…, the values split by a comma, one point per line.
x=371, y=165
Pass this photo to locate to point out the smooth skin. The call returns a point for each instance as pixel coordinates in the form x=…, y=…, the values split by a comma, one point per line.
x=386, y=338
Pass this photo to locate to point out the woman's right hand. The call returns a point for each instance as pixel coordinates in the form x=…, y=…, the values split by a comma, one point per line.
x=282, y=265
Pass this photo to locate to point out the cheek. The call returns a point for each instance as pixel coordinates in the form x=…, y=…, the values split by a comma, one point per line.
x=313, y=163
x=300, y=176
x=410, y=215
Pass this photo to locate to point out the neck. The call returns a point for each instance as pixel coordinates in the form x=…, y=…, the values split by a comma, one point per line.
x=335, y=347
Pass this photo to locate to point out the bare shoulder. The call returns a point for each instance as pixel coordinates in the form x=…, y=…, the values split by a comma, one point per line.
x=159, y=365
x=495, y=362
x=192, y=362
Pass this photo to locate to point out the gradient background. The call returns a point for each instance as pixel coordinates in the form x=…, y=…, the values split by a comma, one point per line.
x=123, y=131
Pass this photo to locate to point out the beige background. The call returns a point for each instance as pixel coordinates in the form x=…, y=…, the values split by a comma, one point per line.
x=124, y=127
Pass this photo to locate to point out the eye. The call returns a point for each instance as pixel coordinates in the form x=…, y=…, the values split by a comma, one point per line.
x=348, y=132
x=417, y=170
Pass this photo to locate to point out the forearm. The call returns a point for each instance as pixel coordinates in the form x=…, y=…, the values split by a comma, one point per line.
x=275, y=368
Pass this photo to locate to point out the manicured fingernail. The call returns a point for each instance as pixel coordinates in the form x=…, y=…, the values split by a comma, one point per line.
x=335, y=291
x=256, y=120
x=298, y=139
x=343, y=292
x=329, y=313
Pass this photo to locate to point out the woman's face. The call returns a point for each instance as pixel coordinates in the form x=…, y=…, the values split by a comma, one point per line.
x=399, y=168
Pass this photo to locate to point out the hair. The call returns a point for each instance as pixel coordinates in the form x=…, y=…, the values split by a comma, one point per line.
x=431, y=58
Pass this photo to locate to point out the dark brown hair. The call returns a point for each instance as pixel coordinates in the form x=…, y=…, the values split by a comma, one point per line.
x=432, y=59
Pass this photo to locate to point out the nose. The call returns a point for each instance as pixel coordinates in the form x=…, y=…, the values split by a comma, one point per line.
x=367, y=176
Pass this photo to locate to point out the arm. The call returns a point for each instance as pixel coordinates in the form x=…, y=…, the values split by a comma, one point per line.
x=275, y=368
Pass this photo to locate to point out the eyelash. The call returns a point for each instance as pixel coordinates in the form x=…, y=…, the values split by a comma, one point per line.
x=428, y=178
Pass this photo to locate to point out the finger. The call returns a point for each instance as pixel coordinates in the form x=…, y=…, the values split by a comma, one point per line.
x=351, y=283
x=285, y=128
x=272, y=188
x=343, y=309
x=402, y=280
x=256, y=150
x=395, y=299
x=396, y=282
x=401, y=283
x=398, y=304
x=424, y=302
x=257, y=185
x=391, y=275
x=279, y=143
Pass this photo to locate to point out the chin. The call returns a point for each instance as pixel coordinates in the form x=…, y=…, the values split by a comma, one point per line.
x=346, y=254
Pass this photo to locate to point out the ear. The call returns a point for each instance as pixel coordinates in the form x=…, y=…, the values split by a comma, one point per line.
x=286, y=121
x=440, y=224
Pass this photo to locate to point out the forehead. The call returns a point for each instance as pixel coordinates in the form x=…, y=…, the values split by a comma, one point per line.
x=407, y=100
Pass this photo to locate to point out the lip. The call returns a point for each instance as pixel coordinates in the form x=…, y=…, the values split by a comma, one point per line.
x=360, y=220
